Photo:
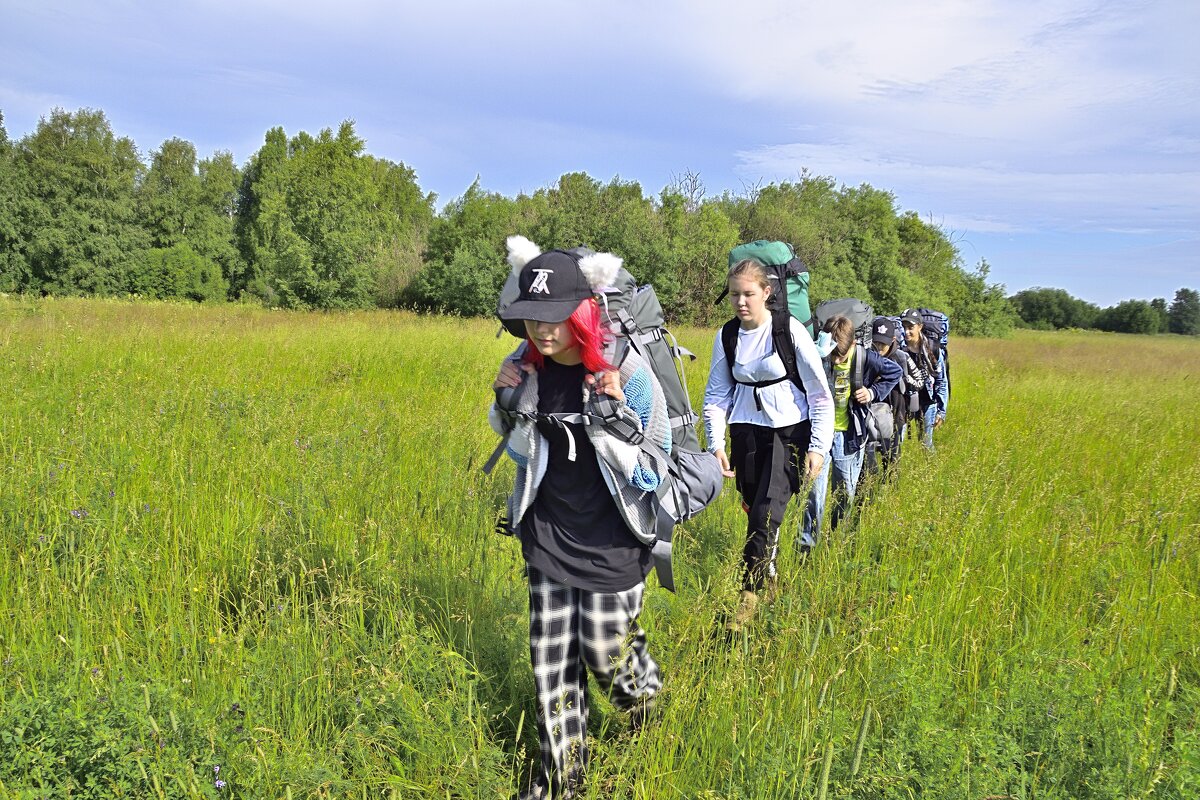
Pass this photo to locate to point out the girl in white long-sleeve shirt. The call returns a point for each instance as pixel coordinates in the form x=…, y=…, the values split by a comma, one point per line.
x=774, y=424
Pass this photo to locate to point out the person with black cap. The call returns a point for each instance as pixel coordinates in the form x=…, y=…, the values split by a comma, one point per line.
x=857, y=376
x=581, y=503
x=931, y=371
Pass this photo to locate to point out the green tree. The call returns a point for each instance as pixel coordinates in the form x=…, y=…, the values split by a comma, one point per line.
x=189, y=205
x=79, y=220
x=980, y=308
x=1129, y=316
x=316, y=216
x=615, y=217
x=1159, y=304
x=1053, y=309
x=179, y=271
x=1185, y=312
x=699, y=238
x=14, y=270
x=465, y=256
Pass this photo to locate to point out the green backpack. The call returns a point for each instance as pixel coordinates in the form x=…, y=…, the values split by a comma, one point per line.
x=788, y=276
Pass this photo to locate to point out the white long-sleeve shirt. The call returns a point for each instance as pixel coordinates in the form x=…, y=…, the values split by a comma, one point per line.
x=783, y=404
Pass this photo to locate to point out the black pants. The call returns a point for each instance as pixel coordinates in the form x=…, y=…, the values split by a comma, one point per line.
x=768, y=463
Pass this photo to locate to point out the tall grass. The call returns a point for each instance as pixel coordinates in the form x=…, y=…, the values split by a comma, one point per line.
x=262, y=542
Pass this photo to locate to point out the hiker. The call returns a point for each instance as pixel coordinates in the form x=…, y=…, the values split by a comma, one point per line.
x=931, y=372
x=903, y=398
x=856, y=376
x=580, y=496
x=780, y=420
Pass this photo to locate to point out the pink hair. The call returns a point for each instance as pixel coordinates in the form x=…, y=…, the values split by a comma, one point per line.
x=589, y=333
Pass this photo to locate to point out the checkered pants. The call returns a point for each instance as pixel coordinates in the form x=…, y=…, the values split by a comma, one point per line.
x=572, y=631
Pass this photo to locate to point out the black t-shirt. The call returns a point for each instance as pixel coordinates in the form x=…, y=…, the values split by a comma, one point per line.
x=573, y=532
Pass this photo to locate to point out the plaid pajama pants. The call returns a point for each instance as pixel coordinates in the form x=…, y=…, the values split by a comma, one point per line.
x=572, y=631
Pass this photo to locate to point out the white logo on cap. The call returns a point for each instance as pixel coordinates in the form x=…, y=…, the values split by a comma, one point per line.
x=882, y=329
x=539, y=283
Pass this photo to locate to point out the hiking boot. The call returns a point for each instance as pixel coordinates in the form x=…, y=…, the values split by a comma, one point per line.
x=747, y=605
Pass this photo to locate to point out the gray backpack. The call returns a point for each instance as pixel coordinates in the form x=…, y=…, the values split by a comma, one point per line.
x=635, y=317
x=860, y=314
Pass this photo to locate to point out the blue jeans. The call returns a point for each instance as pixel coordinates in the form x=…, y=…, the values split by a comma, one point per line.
x=846, y=469
x=928, y=417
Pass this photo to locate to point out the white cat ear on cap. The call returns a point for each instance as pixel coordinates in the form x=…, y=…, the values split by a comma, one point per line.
x=521, y=251
x=600, y=269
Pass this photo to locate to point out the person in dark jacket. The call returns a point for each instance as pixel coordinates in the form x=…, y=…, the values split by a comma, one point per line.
x=904, y=397
x=845, y=458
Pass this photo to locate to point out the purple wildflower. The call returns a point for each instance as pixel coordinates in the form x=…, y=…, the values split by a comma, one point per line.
x=79, y=513
x=220, y=784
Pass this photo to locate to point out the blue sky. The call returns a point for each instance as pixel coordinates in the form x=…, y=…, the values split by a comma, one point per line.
x=1057, y=139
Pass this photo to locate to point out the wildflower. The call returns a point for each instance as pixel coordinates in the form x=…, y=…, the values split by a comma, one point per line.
x=220, y=784
x=95, y=672
x=79, y=513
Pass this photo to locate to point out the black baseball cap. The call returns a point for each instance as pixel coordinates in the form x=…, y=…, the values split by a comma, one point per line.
x=912, y=317
x=552, y=287
x=883, y=330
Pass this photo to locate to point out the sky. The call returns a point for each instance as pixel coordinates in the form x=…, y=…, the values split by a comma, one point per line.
x=1059, y=140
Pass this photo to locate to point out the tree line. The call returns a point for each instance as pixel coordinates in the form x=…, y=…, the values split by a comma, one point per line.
x=1055, y=309
x=316, y=222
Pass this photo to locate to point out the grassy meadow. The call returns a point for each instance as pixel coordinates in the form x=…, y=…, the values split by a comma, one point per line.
x=250, y=554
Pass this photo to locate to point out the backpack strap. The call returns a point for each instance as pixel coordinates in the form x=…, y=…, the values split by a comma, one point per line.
x=508, y=401
x=729, y=332
x=781, y=340
x=856, y=369
x=785, y=346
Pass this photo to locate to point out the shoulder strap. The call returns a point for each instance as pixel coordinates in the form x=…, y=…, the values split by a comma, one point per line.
x=785, y=346
x=856, y=369
x=729, y=332
x=508, y=401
